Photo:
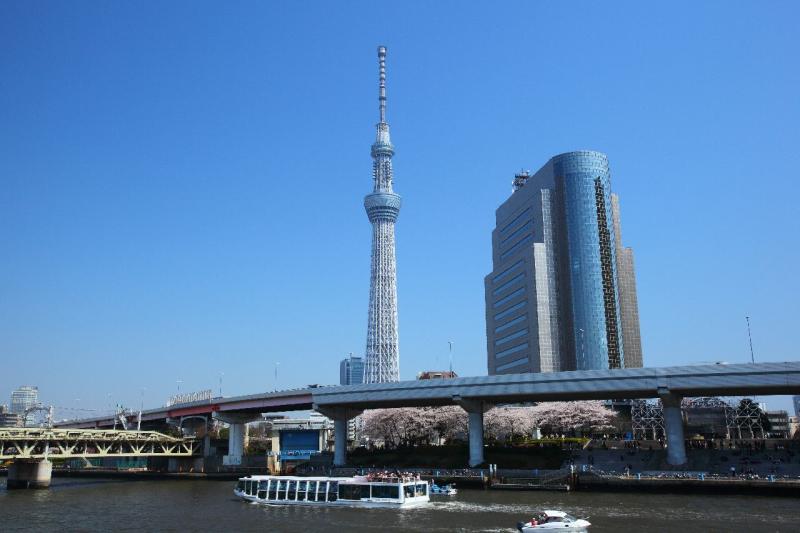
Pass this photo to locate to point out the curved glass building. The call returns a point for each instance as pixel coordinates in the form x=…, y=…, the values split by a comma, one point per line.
x=553, y=299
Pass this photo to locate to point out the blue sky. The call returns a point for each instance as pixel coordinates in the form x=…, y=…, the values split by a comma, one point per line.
x=181, y=184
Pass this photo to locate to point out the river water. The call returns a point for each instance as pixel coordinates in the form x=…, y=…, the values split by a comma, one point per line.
x=111, y=505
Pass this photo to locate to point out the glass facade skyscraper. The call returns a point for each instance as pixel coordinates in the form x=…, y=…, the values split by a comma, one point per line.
x=351, y=371
x=553, y=299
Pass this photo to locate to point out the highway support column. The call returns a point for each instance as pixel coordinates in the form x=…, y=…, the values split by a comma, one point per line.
x=673, y=427
x=475, y=410
x=237, y=434
x=340, y=417
x=29, y=474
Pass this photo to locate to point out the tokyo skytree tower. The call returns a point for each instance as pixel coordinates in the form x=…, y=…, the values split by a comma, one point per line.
x=383, y=206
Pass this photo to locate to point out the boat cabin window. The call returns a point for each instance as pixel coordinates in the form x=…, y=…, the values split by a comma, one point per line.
x=333, y=491
x=386, y=491
x=301, y=490
x=292, y=494
x=281, y=490
x=312, y=491
x=422, y=489
x=240, y=485
x=262, y=489
x=408, y=490
x=353, y=492
x=273, y=490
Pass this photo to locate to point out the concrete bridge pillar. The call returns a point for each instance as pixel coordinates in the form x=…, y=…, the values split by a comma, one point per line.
x=29, y=474
x=340, y=441
x=673, y=427
x=340, y=417
x=475, y=410
x=475, y=437
x=237, y=434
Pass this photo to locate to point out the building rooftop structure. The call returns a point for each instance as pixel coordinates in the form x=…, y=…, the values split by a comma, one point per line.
x=437, y=374
x=9, y=419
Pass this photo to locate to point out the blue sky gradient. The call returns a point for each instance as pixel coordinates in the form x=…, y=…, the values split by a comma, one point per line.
x=181, y=183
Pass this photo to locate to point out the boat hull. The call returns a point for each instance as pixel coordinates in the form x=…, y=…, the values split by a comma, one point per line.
x=337, y=503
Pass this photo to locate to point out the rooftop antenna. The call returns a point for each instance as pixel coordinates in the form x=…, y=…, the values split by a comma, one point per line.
x=382, y=82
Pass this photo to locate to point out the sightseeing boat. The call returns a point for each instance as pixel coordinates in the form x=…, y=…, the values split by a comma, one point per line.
x=547, y=520
x=361, y=491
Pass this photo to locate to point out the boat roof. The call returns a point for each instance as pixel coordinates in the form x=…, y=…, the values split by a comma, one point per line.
x=550, y=512
x=356, y=479
x=292, y=478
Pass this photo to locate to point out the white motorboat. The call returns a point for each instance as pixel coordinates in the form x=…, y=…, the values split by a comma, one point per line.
x=550, y=519
x=360, y=491
x=444, y=490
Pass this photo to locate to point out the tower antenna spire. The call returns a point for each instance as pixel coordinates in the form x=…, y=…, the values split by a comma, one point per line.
x=382, y=81
x=382, y=357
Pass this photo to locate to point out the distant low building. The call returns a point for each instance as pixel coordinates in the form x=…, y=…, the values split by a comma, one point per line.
x=297, y=440
x=24, y=398
x=779, y=424
x=709, y=421
x=437, y=374
x=9, y=419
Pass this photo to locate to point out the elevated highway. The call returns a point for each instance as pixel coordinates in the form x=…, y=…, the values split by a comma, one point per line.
x=686, y=381
x=478, y=394
x=251, y=406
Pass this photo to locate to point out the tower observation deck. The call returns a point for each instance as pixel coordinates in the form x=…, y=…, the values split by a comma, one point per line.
x=383, y=207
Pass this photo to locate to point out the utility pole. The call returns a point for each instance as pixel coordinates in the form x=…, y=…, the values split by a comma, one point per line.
x=750, y=337
x=141, y=408
x=451, y=357
x=220, y=383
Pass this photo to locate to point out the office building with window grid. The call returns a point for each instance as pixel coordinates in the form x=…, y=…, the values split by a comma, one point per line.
x=351, y=370
x=562, y=294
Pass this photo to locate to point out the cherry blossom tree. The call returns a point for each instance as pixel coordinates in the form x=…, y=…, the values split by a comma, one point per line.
x=408, y=426
x=579, y=416
x=506, y=422
x=415, y=426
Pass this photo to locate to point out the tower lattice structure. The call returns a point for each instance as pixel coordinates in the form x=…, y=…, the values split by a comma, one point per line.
x=383, y=206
